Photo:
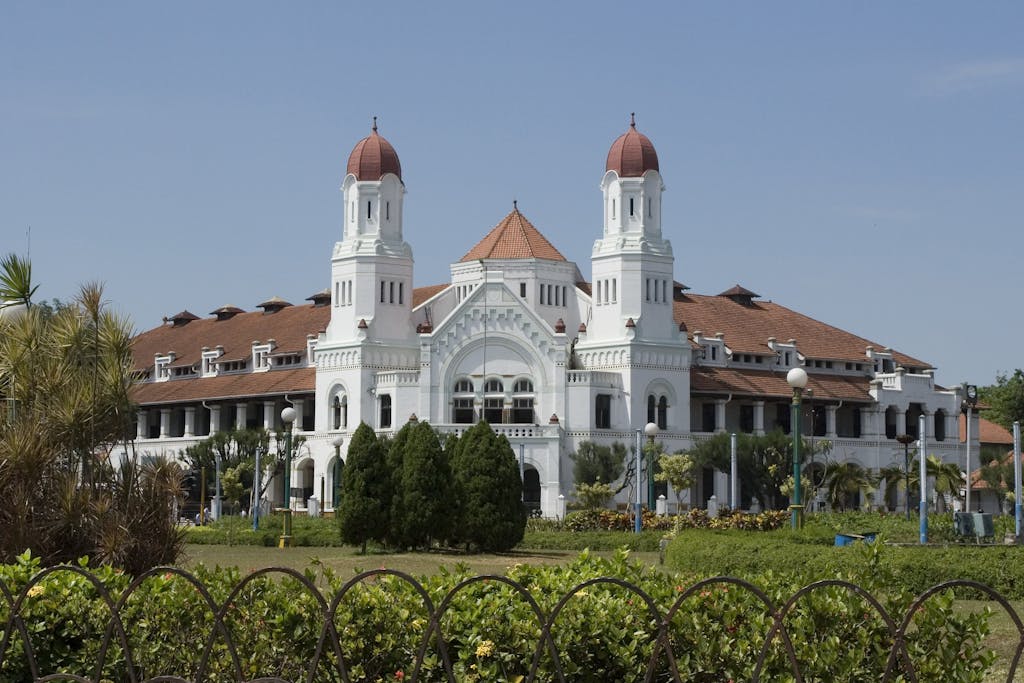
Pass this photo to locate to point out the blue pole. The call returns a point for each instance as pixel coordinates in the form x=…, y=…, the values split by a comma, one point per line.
x=1017, y=479
x=923, y=506
x=638, y=522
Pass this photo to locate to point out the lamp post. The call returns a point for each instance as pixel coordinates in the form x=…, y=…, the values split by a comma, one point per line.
x=336, y=487
x=288, y=417
x=651, y=430
x=796, y=378
x=906, y=440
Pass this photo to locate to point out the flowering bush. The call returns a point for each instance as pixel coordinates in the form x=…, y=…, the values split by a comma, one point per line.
x=601, y=623
x=728, y=519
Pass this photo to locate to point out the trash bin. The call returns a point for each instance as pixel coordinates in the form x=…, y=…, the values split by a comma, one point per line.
x=850, y=539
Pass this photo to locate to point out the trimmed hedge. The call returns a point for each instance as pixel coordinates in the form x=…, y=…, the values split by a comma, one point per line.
x=808, y=557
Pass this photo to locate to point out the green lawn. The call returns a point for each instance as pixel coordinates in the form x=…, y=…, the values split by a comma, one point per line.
x=347, y=561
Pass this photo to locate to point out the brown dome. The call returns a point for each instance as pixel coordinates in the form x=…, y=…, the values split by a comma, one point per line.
x=372, y=157
x=632, y=154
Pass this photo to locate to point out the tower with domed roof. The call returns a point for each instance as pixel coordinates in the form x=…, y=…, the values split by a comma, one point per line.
x=632, y=262
x=372, y=265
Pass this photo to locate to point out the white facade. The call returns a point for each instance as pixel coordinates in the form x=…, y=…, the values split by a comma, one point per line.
x=551, y=358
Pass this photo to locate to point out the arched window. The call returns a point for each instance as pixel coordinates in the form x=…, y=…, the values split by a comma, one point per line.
x=385, y=411
x=494, y=401
x=339, y=411
x=462, y=402
x=662, y=420
x=940, y=425
x=651, y=408
x=522, y=402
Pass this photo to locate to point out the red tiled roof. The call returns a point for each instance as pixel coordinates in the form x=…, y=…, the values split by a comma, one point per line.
x=747, y=328
x=742, y=382
x=242, y=385
x=288, y=327
x=513, y=238
x=988, y=432
x=632, y=154
x=372, y=157
x=421, y=294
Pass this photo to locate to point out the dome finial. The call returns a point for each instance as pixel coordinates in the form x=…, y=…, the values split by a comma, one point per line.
x=515, y=205
x=632, y=119
x=374, y=124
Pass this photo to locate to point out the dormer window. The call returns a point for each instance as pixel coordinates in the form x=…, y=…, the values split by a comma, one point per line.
x=261, y=357
x=162, y=366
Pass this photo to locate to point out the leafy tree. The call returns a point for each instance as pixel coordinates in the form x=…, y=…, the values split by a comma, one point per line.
x=593, y=496
x=998, y=474
x=1005, y=399
x=232, y=486
x=594, y=462
x=425, y=508
x=237, y=449
x=65, y=376
x=679, y=470
x=946, y=476
x=489, y=489
x=363, y=512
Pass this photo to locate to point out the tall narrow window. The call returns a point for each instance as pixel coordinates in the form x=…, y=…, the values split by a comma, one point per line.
x=631, y=206
x=598, y=297
x=383, y=290
x=369, y=209
x=606, y=291
x=351, y=212
x=664, y=291
x=401, y=293
x=603, y=411
x=652, y=408
x=387, y=211
x=391, y=292
x=649, y=214
x=348, y=295
x=385, y=411
x=613, y=208
x=565, y=302
x=522, y=290
x=662, y=420
x=647, y=284
x=337, y=294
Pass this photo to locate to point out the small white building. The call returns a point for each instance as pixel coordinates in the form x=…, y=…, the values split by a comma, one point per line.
x=522, y=338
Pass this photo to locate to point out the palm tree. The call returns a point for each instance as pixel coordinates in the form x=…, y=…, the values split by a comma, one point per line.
x=946, y=477
x=16, y=281
x=66, y=378
x=844, y=480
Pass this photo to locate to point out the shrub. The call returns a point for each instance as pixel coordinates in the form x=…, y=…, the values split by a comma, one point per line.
x=604, y=631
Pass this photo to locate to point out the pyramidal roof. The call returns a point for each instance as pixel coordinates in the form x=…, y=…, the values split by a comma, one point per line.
x=513, y=238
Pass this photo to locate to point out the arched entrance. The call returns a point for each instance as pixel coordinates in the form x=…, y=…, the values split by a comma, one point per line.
x=531, y=489
x=303, y=489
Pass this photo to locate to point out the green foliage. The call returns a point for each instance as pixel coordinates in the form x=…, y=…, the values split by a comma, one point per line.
x=764, y=462
x=593, y=463
x=610, y=520
x=603, y=633
x=236, y=449
x=306, y=532
x=364, y=510
x=844, y=480
x=66, y=377
x=593, y=496
x=425, y=509
x=679, y=470
x=648, y=540
x=16, y=281
x=489, y=489
x=391, y=494
x=1005, y=399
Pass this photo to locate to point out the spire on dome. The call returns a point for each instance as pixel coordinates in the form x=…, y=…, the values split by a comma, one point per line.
x=373, y=156
x=632, y=154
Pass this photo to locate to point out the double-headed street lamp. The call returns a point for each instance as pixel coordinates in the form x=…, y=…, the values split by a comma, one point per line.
x=796, y=378
x=906, y=440
x=287, y=417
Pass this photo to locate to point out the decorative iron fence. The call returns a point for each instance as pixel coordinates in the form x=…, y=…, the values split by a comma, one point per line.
x=131, y=627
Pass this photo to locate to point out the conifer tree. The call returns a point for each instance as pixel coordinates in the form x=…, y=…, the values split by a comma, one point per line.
x=490, y=490
x=363, y=512
x=395, y=457
x=424, y=500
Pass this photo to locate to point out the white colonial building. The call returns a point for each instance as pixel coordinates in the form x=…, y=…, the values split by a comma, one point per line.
x=522, y=338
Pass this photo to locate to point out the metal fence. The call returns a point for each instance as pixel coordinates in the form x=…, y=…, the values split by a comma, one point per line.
x=219, y=657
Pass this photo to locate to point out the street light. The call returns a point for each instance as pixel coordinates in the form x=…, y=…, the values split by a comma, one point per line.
x=906, y=440
x=651, y=431
x=336, y=487
x=796, y=378
x=288, y=417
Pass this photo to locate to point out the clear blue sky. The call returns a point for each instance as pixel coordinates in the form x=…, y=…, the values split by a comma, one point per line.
x=860, y=162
